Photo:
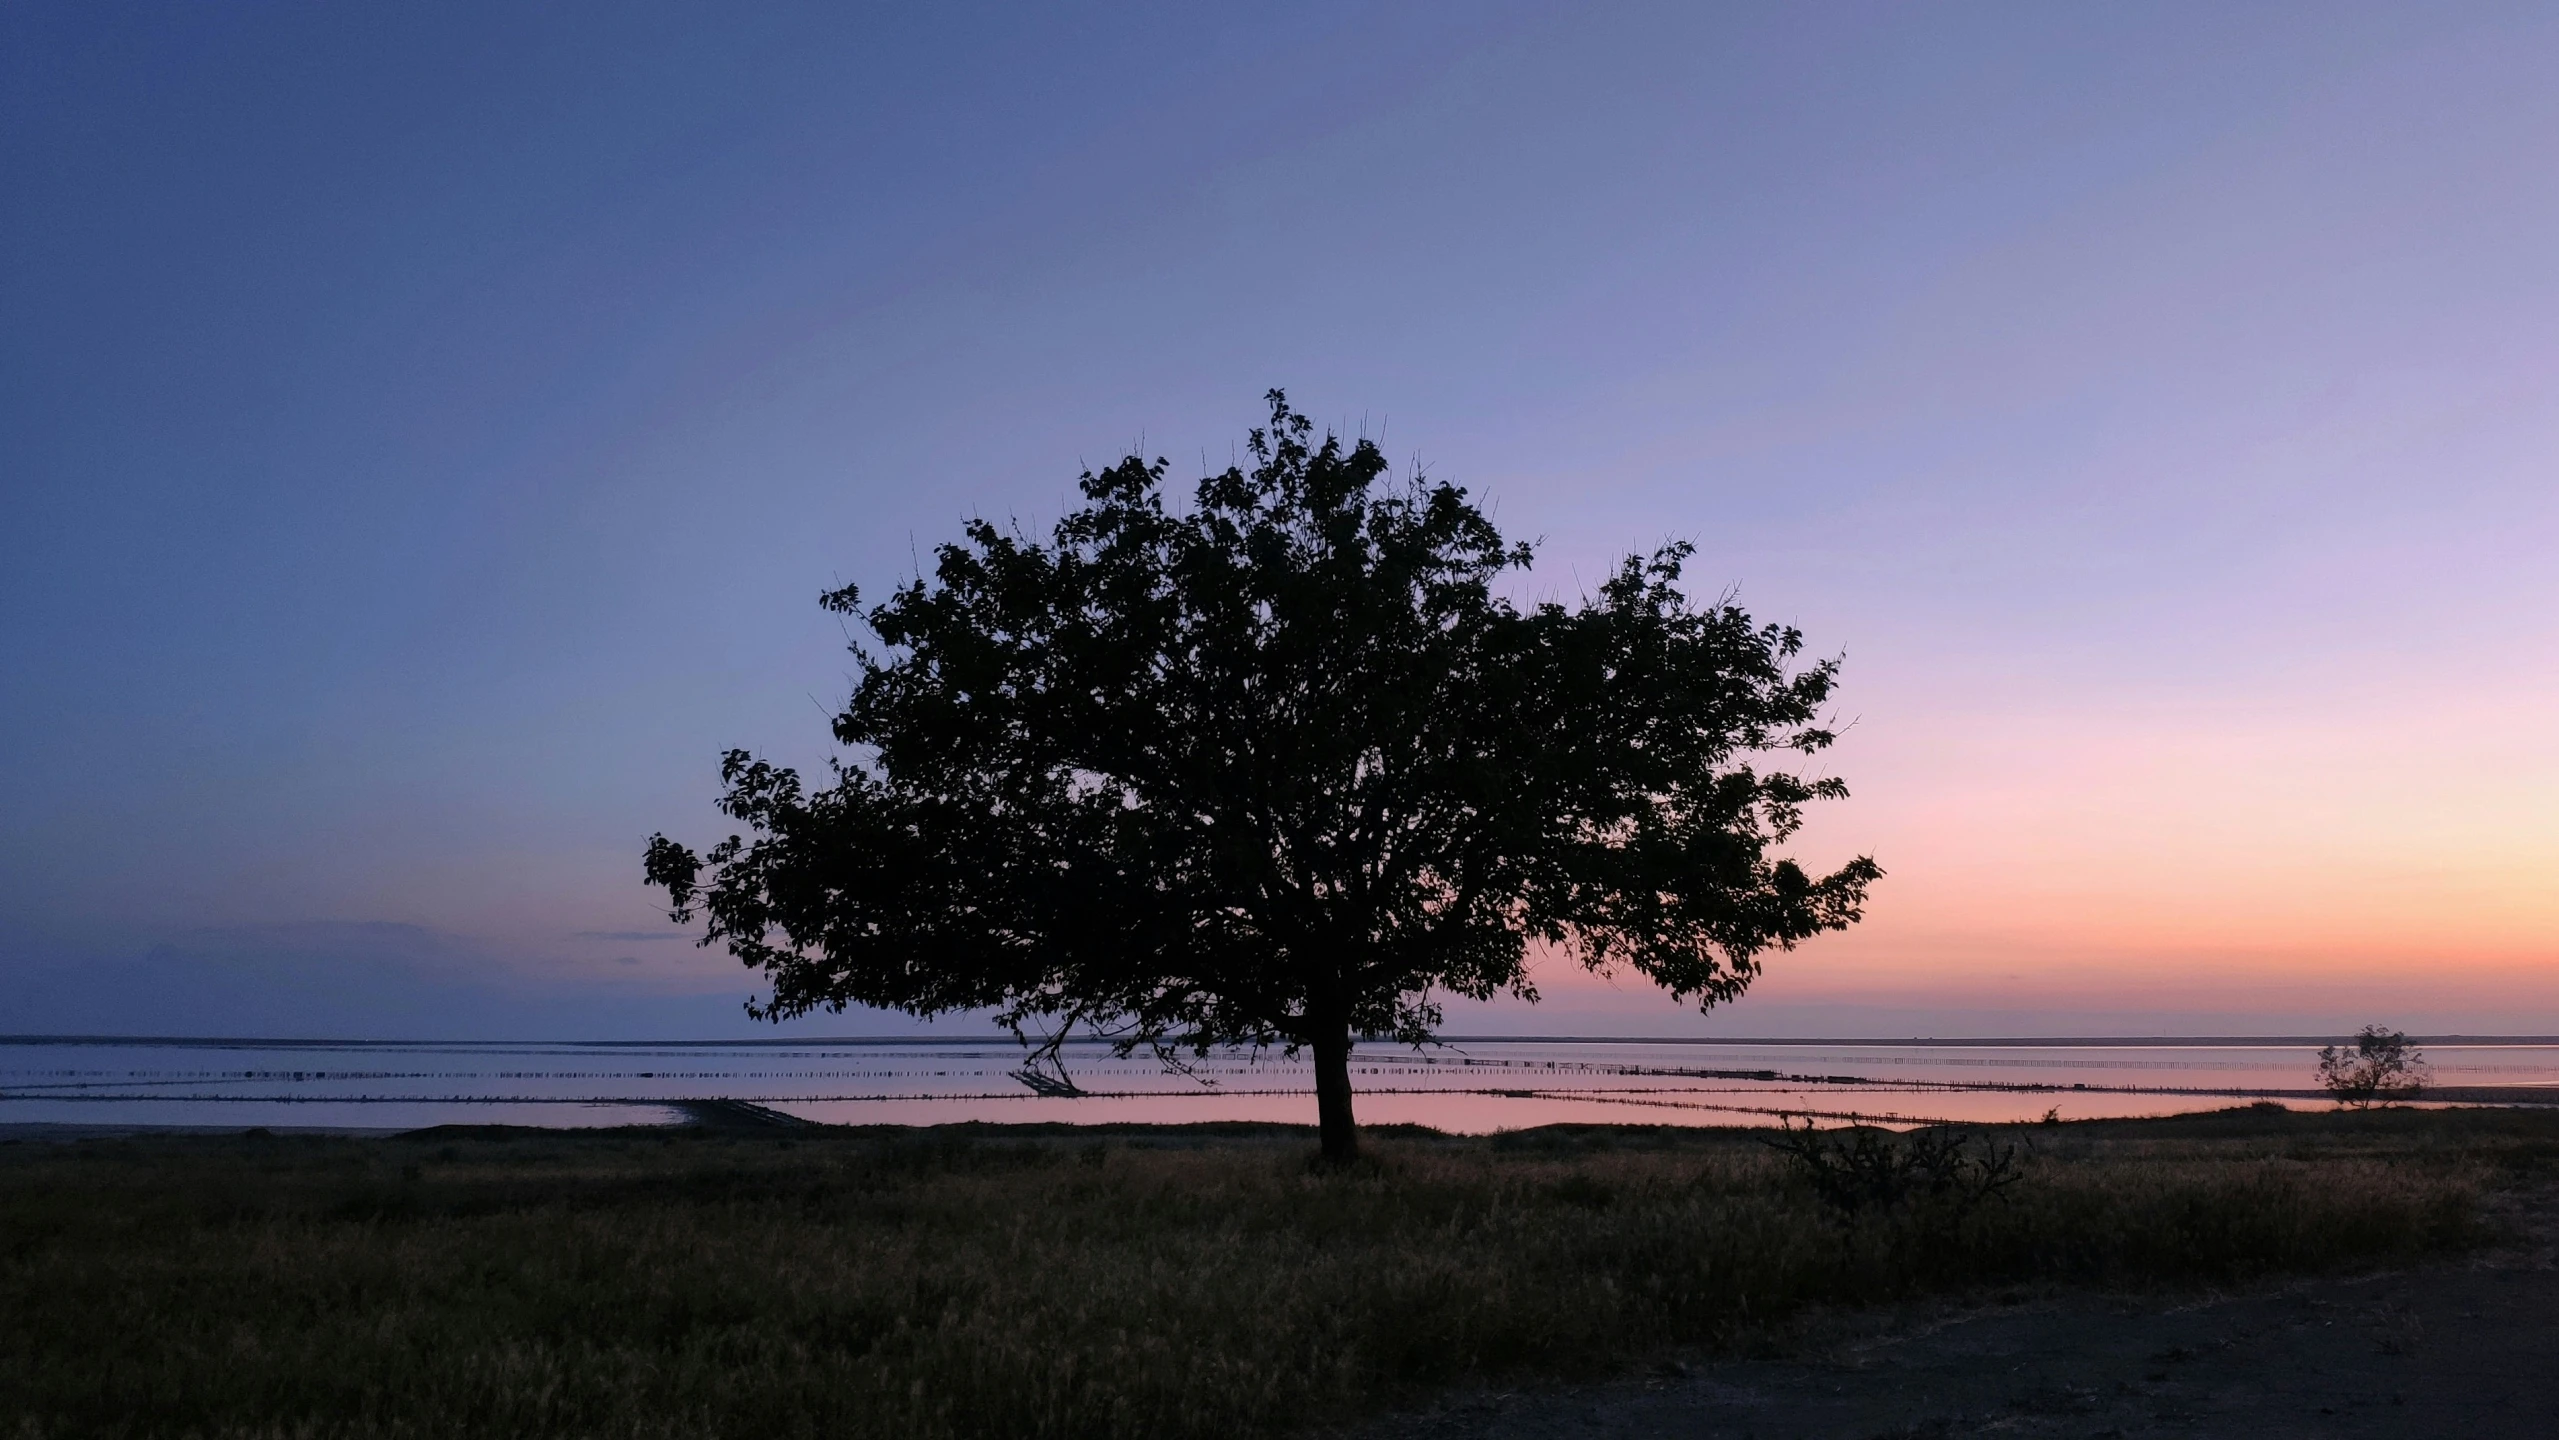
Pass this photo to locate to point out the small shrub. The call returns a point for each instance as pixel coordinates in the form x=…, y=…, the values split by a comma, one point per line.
x=2381, y=1066
x=1861, y=1167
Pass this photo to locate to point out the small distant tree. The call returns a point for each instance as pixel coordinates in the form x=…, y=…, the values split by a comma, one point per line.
x=1276, y=769
x=2381, y=1065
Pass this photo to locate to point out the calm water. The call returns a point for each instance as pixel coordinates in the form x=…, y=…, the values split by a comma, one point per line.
x=1473, y=1085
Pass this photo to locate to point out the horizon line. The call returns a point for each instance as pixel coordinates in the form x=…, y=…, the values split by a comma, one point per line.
x=1952, y=1042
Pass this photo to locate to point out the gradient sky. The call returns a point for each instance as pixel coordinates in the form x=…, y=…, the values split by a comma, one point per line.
x=424, y=432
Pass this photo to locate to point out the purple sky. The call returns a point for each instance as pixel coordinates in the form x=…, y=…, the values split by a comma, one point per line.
x=423, y=434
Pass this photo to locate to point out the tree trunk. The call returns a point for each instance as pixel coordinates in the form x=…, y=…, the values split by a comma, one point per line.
x=1333, y=1096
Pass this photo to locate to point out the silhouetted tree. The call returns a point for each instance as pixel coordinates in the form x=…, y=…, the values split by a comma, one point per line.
x=2380, y=1065
x=1279, y=769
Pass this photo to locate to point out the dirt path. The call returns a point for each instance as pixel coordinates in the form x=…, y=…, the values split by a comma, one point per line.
x=2468, y=1350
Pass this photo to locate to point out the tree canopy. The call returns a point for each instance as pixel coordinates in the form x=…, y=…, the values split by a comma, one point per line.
x=1276, y=768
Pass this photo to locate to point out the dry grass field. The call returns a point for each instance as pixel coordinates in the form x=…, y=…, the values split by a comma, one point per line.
x=972, y=1281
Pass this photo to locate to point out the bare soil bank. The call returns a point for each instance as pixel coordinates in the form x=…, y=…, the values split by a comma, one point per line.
x=2464, y=1350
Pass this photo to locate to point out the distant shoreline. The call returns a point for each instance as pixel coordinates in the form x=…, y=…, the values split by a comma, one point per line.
x=696, y=1113
x=2029, y=1042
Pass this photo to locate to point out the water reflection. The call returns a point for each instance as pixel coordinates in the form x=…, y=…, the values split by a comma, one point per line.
x=1469, y=1085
